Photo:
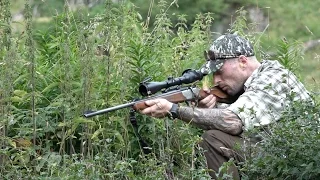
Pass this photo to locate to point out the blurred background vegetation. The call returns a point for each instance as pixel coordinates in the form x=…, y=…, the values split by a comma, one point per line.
x=294, y=20
x=60, y=58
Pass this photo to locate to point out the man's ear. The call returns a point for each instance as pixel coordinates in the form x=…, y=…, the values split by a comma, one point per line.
x=243, y=60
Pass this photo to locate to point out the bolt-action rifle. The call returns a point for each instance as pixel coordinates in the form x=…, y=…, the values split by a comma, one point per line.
x=173, y=92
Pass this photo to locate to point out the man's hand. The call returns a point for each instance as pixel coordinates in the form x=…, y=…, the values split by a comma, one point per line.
x=157, y=108
x=209, y=101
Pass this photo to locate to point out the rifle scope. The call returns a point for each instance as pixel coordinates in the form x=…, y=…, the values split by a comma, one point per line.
x=188, y=76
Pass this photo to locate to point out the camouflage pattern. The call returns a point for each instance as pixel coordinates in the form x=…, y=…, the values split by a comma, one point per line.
x=211, y=66
x=226, y=47
x=231, y=46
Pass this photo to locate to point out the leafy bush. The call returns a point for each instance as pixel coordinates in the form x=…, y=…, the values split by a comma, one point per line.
x=83, y=63
x=290, y=149
x=80, y=63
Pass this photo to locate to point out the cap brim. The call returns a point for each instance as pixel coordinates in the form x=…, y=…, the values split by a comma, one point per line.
x=212, y=66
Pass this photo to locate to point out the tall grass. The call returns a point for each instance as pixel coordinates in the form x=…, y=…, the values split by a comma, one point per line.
x=50, y=78
x=82, y=63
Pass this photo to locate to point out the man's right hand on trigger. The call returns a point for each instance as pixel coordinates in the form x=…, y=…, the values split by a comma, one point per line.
x=209, y=101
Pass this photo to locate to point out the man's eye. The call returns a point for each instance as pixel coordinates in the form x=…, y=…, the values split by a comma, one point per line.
x=218, y=72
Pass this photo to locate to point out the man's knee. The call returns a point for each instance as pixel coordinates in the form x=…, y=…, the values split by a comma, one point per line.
x=211, y=140
x=212, y=135
x=221, y=142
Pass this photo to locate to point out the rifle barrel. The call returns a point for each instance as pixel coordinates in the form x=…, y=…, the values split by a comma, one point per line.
x=90, y=114
x=174, y=96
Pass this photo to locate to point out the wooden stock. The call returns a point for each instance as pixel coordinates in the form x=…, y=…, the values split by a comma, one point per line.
x=222, y=96
x=174, y=98
x=189, y=94
x=179, y=97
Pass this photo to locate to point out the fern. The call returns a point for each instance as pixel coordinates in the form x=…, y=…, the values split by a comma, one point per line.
x=289, y=53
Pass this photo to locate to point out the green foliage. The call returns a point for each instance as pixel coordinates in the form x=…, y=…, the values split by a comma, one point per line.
x=48, y=7
x=290, y=149
x=82, y=63
x=289, y=54
x=50, y=76
x=301, y=23
x=151, y=10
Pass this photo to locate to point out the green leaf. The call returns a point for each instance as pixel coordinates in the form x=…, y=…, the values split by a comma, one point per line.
x=63, y=124
x=12, y=143
x=81, y=120
x=21, y=77
x=53, y=45
x=20, y=93
x=51, y=86
x=97, y=133
x=16, y=99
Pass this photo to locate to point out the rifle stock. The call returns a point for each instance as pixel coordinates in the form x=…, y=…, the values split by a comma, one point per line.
x=176, y=96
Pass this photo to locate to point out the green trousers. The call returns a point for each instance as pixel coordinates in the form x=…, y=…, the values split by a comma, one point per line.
x=220, y=147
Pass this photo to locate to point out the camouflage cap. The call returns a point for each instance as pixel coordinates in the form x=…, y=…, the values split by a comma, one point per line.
x=226, y=47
